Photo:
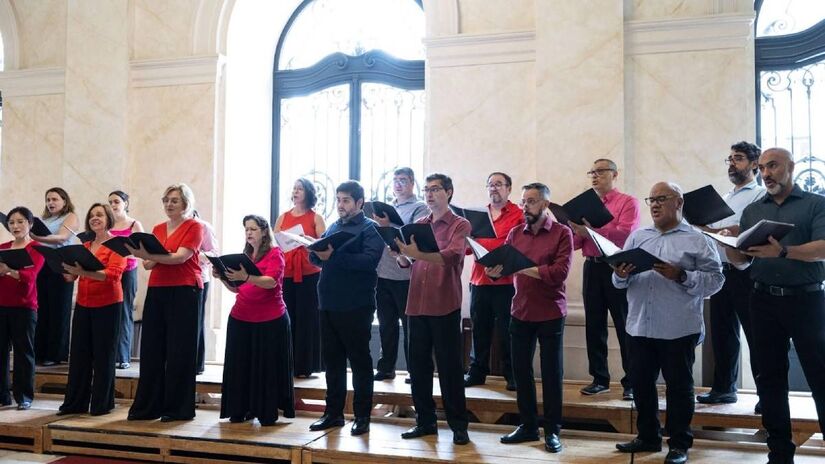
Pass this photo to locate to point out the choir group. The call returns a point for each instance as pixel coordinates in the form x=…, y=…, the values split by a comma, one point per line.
x=301, y=309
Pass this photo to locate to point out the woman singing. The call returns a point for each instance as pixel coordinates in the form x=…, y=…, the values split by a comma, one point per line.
x=166, y=388
x=95, y=323
x=257, y=373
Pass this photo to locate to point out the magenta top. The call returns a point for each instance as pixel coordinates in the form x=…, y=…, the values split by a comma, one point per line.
x=256, y=304
x=131, y=262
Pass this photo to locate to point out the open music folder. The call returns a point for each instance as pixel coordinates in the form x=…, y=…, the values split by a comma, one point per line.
x=424, y=237
x=756, y=235
x=149, y=242
x=640, y=258
x=234, y=262
x=482, y=225
x=16, y=258
x=336, y=240
x=381, y=209
x=71, y=254
x=705, y=206
x=507, y=256
x=587, y=205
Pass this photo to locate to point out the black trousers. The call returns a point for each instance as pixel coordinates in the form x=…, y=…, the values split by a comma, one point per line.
x=347, y=337
x=600, y=296
x=92, y=369
x=523, y=337
x=730, y=310
x=391, y=299
x=441, y=334
x=301, y=300
x=168, y=349
x=17, y=331
x=490, y=312
x=674, y=358
x=201, y=360
x=54, y=301
x=128, y=282
x=775, y=321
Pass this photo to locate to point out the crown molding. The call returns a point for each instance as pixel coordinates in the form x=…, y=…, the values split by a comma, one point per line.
x=175, y=71
x=31, y=82
x=724, y=31
x=481, y=49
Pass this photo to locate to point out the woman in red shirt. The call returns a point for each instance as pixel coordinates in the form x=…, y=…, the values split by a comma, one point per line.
x=301, y=280
x=166, y=387
x=257, y=371
x=95, y=322
x=18, y=312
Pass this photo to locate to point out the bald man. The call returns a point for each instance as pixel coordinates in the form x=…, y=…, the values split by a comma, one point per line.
x=787, y=300
x=664, y=319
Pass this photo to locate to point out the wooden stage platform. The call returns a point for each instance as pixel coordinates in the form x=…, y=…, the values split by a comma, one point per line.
x=210, y=439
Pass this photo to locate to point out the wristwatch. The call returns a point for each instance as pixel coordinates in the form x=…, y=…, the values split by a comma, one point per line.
x=784, y=252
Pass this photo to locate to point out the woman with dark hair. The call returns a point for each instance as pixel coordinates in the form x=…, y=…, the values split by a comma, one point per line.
x=301, y=280
x=124, y=226
x=18, y=312
x=95, y=322
x=54, y=293
x=257, y=372
x=168, y=349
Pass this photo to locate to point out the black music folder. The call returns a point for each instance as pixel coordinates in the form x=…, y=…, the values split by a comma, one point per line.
x=424, y=237
x=336, y=240
x=382, y=209
x=39, y=228
x=234, y=262
x=705, y=206
x=507, y=256
x=71, y=254
x=5, y=220
x=614, y=255
x=482, y=225
x=16, y=258
x=756, y=235
x=587, y=205
x=149, y=242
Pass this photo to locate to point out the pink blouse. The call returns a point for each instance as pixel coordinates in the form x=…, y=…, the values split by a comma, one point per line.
x=256, y=304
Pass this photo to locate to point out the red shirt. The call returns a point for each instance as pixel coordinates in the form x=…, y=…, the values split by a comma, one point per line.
x=552, y=250
x=626, y=219
x=98, y=293
x=256, y=304
x=297, y=259
x=189, y=234
x=22, y=293
x=435, y=290
x=511, y=216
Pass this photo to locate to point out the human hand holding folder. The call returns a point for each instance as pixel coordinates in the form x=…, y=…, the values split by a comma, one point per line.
x=640, y=260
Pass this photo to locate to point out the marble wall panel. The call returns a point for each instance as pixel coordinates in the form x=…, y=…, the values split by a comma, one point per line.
x=41, y=27
x=484, y=16
x=163, y=29
x=664, y=9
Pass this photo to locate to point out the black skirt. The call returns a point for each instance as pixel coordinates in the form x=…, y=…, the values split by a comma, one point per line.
x=257, y=371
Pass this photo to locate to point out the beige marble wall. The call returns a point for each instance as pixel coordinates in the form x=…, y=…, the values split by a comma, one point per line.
x=41, y=26
x=484, y=16
x=163, y=29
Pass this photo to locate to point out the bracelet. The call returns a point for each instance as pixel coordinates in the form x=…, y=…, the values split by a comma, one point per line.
x=247, y=278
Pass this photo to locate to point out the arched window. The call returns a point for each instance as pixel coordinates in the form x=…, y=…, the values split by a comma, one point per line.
x=790, y=80
x=348, y=98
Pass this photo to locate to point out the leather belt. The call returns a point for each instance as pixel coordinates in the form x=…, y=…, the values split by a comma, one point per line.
x=595, y=259
x=728, y=267
x=777, y=290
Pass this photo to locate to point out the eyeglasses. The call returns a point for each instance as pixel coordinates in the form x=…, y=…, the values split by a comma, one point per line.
x=497, y=185
x=659, y=200
x=529, y=202
x=735, y=159
x=598, y=172
x=401, y=181
x=434, y=189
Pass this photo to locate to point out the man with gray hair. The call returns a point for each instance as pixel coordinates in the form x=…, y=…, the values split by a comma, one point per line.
x=664, y=319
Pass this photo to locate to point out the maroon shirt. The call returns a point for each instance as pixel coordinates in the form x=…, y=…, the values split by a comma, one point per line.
x=435, y=290
x=552, y=250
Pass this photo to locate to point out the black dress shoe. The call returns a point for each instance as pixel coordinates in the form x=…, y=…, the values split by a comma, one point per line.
x=66, y=413
x=326, y=422
x=383, y=376
x=48, y=363
x=167, y=419
x=472, y=380
x=237, y=419
x=552, y=443
x=758, y=408
x=135, y=417
x=635, y=445
x=408, y=380
x=23, y=405
x=594, y=389
x=676, y=456
x=520, y=435
x=713, y=397
x=360, y=426
x=460, y=437
x=420, y=431
x=627, y=394
x=511, y=386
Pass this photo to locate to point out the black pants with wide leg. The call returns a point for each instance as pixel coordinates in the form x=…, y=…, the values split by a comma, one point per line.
x=490, y=312
x=17, y=331
x=391, y=300
x=347, y=337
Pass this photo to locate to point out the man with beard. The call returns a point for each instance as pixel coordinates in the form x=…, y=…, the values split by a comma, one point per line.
x=729, y=307
x=346, y=296
x=787, y=300
x=490, y=299
x=664, y=320
x=597, y=287
x=538, y=312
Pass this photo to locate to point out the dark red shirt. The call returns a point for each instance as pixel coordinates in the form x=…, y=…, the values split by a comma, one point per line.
x=22, y=293
x=435, y=289
x=544, y=299
x=511, y=216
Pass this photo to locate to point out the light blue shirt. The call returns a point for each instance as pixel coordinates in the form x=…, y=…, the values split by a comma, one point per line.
x=659, y=307
x=737, y=199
